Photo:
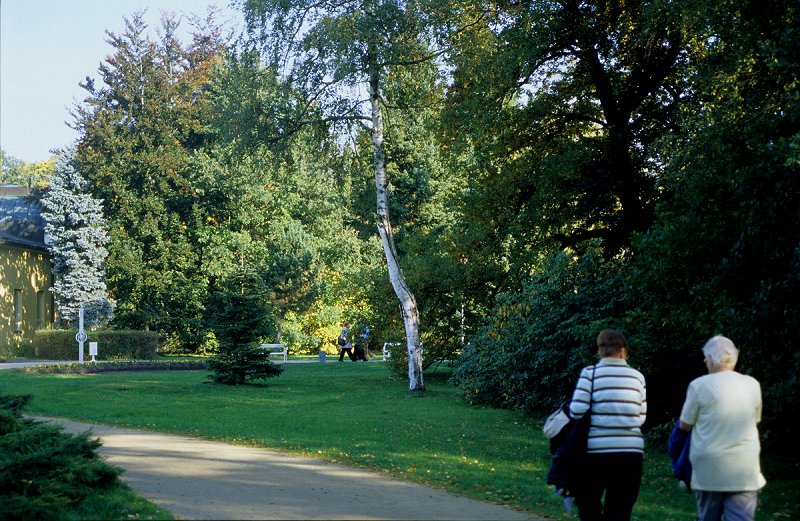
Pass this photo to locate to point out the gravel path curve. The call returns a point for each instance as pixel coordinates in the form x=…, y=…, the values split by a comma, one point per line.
x=201, y=479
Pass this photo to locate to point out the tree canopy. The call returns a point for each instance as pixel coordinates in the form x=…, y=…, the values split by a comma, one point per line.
x=536, y=171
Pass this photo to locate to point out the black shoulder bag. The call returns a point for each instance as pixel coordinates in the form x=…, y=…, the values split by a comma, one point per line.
x=567, y=468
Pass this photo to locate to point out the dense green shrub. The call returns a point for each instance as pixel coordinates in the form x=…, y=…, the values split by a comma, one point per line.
x=398, y=358
x=42, y=470
x=435, y=351
x=237, y=365
x=112, y=344
x=737, y=275
x=529, y=354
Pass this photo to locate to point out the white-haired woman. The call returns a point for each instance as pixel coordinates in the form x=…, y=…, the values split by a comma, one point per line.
x=722, y=410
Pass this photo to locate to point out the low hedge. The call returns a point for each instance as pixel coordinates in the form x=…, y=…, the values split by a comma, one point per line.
x=106, y=367
x=112, y=344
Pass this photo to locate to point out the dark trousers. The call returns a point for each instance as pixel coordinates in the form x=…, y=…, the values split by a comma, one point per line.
x=349, y=351
x=618, y=477
x=361, y=354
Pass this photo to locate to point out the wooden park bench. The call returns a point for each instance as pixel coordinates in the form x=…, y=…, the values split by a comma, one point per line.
x=276, y=349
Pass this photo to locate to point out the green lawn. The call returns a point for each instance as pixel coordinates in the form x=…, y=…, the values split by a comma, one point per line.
x=121, y=503
x=358, y=414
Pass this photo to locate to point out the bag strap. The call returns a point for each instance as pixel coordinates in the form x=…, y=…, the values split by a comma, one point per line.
x=591, y=392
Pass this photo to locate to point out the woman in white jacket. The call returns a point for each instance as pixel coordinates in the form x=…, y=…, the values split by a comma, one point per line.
x=722, y=410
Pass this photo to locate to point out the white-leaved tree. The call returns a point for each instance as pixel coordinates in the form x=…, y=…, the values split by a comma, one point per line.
x=77, y=231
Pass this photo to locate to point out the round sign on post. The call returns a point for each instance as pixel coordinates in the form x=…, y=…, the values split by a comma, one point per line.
x=81, y=336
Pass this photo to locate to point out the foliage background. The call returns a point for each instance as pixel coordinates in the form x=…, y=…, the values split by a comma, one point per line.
x=555, y=169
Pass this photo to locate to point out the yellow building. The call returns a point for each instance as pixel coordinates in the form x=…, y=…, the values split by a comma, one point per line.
x=26, y=301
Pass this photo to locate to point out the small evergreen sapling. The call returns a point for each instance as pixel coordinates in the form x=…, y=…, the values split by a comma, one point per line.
x=241, y=317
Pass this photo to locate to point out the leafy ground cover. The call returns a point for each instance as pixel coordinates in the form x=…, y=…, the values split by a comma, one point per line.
x=48, y=474
x=119, y=502
x=358, y=414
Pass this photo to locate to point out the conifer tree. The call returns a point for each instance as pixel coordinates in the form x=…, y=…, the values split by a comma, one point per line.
x=76, y=227
x=139, y=126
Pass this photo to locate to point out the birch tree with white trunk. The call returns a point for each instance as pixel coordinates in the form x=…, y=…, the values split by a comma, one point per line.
x=339, y=54
x=407, y=301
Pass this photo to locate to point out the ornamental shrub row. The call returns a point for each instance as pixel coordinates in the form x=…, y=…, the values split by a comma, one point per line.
x=119, y=365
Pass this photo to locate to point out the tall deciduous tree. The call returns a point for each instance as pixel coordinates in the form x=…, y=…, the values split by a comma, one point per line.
x=716, y=139
x=341, y=54
x=723, y=255
x=33, y=175
x=292, y=272
x=561, y=102
x=275, y=204
x=77, y=228
x=424, y=207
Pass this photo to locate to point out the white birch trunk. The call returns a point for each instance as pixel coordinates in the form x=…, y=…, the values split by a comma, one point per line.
x=407, y=301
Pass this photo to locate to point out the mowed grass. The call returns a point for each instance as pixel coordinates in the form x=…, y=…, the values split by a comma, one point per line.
x=119, y=502
x=359, y=415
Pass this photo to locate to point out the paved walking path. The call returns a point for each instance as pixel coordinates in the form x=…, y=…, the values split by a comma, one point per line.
x=27, y=363
x=199, y=479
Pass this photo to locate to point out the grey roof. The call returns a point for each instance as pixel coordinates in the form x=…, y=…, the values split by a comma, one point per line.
x=21, y=221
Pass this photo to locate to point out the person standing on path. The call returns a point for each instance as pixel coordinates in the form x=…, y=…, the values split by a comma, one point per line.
x=348, y=343
x=615, y=395
x=722, y=411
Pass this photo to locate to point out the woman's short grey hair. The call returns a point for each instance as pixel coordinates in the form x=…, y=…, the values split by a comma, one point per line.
x=721, y=352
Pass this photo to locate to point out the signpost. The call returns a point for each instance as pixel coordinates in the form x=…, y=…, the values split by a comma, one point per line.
x=81, y=336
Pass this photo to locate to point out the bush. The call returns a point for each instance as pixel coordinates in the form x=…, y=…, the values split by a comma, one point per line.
x=112, y=344
x=398, y=358
x=434, y=352
x=529, y=354
x=107, y=367
x=240, y=364
x=42, y=470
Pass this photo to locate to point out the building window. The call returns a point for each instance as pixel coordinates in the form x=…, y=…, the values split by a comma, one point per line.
x=17, y=310
x=39, y=309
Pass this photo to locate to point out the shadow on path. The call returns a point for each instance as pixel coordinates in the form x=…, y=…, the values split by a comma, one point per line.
x=199, y=479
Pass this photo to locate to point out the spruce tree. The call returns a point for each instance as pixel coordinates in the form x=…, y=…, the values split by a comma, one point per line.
x=77, y=229
x=241, y=319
